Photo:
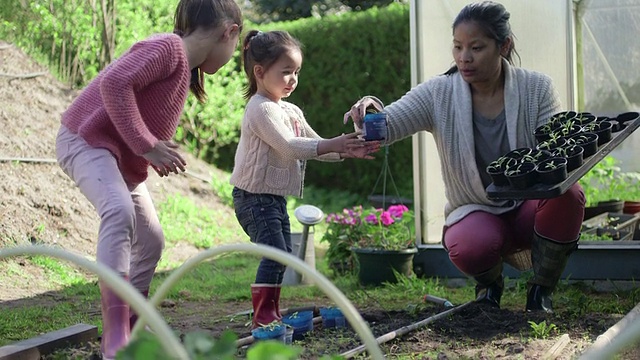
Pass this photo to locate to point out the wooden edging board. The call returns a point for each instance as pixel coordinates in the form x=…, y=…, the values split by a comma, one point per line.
x=45, y=344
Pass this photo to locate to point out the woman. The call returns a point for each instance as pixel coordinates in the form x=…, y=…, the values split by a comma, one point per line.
x=478, y=110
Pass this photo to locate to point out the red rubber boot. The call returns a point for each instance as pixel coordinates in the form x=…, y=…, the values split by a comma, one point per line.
x=115, y=322
x=265, y=306
x=133, y=317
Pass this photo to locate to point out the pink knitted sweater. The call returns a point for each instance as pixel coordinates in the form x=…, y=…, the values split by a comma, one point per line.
x=134, y=102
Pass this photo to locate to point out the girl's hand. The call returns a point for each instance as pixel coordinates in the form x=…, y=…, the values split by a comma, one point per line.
x=164, y=159
x=347, y=142
x=364, y=152
x=341, y=144
x=359, y=109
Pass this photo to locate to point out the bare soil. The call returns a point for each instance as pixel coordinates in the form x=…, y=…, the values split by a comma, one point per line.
x=39, y=204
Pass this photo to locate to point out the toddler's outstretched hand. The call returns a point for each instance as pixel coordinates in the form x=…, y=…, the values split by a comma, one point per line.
x=346, y=142
x=363, y=152
x=164, y=159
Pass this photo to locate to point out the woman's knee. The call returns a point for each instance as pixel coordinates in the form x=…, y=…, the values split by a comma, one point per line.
x=475, y=245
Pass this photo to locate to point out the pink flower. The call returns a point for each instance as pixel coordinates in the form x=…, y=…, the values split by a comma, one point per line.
x=397, y=210
x=386, y=218
x=371, y=219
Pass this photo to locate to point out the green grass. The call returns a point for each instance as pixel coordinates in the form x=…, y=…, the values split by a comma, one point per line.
x=204, y=228
x=22, y=323
x=58, y=272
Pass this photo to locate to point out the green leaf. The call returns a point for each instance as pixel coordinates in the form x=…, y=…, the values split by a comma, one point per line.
x=272, y=350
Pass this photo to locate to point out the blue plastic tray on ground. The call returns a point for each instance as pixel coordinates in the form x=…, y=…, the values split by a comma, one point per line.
x=543, y=191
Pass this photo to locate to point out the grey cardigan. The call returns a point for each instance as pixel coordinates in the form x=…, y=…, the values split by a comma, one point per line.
x=442, y=106
x=275, y=141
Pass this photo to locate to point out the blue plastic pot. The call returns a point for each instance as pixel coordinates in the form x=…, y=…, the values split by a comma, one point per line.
x=301, y=322
x=277, y=332
x=332, y=317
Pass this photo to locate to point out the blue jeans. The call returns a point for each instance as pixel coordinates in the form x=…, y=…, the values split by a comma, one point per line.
x=264, y=218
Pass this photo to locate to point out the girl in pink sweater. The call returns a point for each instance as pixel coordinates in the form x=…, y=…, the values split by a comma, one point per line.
x=122, y=123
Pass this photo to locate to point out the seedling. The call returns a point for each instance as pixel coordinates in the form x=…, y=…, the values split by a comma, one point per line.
x=551, y=165
x=518, y=169
x=591, y=126
x=500, y=164
x=542, y=330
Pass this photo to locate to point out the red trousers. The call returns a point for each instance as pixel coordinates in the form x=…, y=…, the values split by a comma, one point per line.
x=478, y=242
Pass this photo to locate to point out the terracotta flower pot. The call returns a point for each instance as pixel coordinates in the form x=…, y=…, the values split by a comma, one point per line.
x=631, y=207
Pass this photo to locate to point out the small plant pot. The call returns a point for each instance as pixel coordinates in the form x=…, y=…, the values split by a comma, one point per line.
x=568, y=130
x=537, y=156
x=552, y=171
x=628, y=116
x=497, y=168
x=301, y=322
x=551, y=144
x=589, y=143
x=332, y=318
x=562, y=116
x=604, y=131
x=543, y=132
x=518, y=154
x=584, y=118
x=522, y=176
x=270, y=332
x=573, y=154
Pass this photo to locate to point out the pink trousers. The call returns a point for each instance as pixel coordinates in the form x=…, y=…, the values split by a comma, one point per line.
x=130, y=238
x=480, y=240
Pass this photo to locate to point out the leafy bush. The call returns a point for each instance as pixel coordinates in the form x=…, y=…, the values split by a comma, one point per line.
x=605, y=181
x=78, y=40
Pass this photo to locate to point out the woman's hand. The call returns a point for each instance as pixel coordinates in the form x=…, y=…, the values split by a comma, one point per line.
x=359, y=109
x=164, y=159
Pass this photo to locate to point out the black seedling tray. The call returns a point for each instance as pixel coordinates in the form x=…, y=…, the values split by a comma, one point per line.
x=545, y=191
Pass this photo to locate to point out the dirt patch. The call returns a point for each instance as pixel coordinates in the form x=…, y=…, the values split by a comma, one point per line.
x=39, y=204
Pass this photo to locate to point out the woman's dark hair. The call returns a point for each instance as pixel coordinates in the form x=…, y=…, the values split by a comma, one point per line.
x=493, y=18
x=207, y=14
x=264, y=48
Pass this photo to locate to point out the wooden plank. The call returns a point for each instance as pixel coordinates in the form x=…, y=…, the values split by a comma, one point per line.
x=556, y=350
x=34, y=348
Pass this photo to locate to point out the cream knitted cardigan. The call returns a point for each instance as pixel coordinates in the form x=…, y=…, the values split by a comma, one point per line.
x=275, y=141
x=442, y=106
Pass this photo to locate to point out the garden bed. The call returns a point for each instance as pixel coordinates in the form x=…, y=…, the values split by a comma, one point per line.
x=474, y=332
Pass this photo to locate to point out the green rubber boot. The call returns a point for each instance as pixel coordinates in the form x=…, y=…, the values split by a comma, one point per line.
x=490, y=286
x=549, y=259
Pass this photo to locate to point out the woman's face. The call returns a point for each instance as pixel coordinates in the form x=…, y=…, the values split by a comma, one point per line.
x=477, y=56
